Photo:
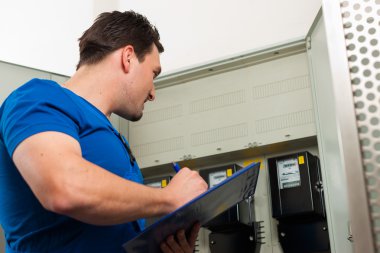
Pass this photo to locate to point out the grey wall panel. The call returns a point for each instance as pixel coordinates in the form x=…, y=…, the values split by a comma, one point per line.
x=262, y=104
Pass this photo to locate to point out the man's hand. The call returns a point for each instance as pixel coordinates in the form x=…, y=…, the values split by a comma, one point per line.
x=181, y=244
x=184, y=186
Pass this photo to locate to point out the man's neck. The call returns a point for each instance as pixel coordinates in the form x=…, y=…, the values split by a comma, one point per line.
x=93, y=84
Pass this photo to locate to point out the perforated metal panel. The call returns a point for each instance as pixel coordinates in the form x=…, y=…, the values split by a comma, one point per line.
x=361, y=23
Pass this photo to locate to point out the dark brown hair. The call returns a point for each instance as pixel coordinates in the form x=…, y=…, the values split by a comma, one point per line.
x=114, y=30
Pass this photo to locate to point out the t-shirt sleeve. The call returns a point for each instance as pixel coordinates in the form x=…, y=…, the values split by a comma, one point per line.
x=35, y=110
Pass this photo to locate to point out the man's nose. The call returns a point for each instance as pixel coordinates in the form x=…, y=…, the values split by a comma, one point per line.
x=152, y=94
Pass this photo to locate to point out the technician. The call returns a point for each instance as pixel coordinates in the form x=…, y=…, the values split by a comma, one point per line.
x=68, y=180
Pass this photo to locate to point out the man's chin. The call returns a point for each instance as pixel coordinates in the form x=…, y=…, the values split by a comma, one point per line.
x=135, y=118
x=129, y=116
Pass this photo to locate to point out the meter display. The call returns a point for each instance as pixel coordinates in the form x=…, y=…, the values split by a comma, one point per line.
x=215, y=178
x=155, y=184
x=288, y=173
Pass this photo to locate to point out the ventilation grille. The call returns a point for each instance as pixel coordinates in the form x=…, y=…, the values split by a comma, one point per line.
x=361, y=22
x=159, y=147
x=219, y=134
x=162, y=114
x=284, y=121
x=216, y=102
x=280, y=87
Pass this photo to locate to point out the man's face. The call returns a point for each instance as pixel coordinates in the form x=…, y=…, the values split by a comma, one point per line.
x=140, y=87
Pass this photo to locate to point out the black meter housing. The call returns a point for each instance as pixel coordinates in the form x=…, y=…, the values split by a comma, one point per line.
x=298, y=203
x=228, y=232
x=214, y=176
x=296, y=186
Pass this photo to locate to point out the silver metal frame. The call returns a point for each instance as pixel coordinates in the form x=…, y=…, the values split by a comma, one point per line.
x=346, y=121
x=333, y=172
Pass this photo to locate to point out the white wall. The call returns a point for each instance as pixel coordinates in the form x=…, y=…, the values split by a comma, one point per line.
x=43, y=34
x=195, y=32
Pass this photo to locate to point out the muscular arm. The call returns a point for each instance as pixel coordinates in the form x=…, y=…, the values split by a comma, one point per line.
x=52, y=165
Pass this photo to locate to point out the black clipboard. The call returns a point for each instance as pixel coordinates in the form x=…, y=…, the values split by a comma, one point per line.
x=238, y=187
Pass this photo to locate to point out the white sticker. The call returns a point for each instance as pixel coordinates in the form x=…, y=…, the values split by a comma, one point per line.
x=288, y=173
x=215, y=178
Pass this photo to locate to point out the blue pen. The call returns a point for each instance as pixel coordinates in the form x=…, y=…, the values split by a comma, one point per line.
x=176, y=167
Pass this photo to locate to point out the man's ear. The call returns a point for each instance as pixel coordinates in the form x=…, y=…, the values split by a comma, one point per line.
x=126, y=56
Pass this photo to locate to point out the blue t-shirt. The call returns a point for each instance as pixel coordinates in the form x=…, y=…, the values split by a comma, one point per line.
x=43, y=105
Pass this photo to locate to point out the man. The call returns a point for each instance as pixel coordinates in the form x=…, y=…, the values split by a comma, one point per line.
x=68, y=181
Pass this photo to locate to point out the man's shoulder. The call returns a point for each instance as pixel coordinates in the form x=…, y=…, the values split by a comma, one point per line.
x=36, y=89
x=39, y=85
x=33, y=95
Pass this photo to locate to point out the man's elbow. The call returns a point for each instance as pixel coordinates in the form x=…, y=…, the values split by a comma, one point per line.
x=57, y=202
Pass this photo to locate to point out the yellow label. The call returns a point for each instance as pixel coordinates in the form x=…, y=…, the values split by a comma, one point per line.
x=261, y=160
x=164, y=183
x=229, y=172
x=301, y=159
